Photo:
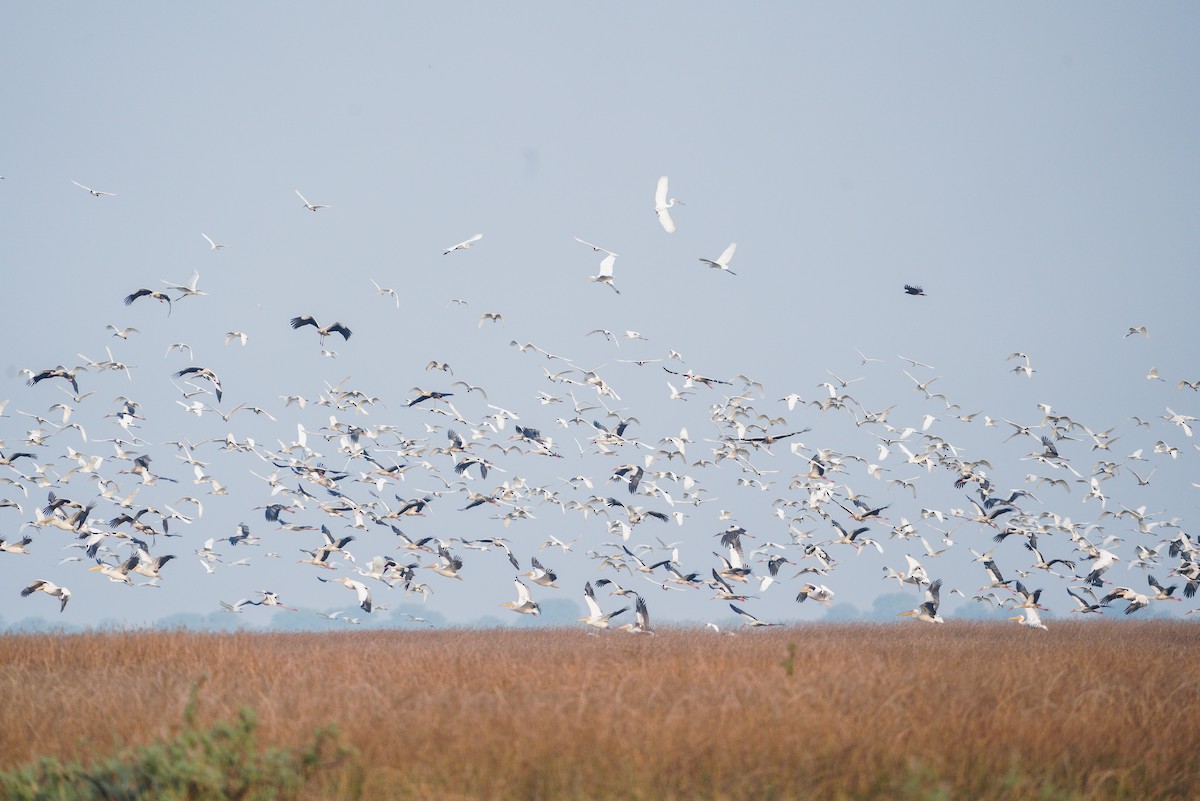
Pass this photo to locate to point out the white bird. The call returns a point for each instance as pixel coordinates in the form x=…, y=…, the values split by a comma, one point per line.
x=524, y=604
x=94, y=192
x=597, y=617
x=123, y=333
x=928, y=611
x=466, y=243
x=307, y=205
x=642, y=620
x=596, y=248
x=1180, y=420
x=1030, y=618
x=61, y=593
x=364, y=593
x=605, y=276
x=187, y=289
x=722, y=262
x=211, y=244
x=379, y=290
x=661, y=204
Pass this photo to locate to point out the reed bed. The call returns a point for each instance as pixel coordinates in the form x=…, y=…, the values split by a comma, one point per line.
x=1094, y=710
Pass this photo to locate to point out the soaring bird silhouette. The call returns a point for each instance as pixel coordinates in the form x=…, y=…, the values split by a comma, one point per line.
x=336, y=328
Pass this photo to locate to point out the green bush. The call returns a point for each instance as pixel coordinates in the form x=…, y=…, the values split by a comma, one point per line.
x=221, y=763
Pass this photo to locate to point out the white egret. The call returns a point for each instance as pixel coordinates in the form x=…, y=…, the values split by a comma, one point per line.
x=94, y=192
x=466, y=243
x=307, y=205
x=662, y=204
x=722, y=261
x=605, y=276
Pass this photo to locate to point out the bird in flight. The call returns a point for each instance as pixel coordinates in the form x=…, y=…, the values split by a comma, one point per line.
x=94, y=192
x=307, y=205
x=605, y=276
x=338, y=328
x=913, y=290
x=466, y=243
x=62, y=593
x=722, y=262
x=596, y=248
x=161, y=297
x=211, y=244
x=662, y=204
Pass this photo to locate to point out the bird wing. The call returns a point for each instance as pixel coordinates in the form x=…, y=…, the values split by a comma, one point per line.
x=664, y=217
x=590, y=599
x=727, y=255
x=606, y=266
x=364, y=594
x=523, y=596
x=660, y=193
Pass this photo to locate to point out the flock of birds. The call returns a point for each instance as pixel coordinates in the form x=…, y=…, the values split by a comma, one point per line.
x=119, y=512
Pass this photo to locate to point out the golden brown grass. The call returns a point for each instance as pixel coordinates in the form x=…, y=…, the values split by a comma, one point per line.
x=969, y=710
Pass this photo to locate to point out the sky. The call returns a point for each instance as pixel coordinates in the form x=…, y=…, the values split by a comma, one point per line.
x=1031, y=167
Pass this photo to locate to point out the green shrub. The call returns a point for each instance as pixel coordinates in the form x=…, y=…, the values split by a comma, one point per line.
x=221, y=763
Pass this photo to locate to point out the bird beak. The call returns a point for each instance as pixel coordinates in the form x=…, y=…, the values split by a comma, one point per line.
x=909, y=613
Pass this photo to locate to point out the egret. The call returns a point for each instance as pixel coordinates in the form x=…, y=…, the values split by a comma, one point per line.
x=380, y=290
x=463, y=245
x=605, y=275
x=211, y=244
x=308, y=205
x=662, y=204
x=722, y=262
x=94, y=192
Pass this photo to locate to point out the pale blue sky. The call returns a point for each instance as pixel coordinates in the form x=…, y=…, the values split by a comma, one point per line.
x=1031, y=165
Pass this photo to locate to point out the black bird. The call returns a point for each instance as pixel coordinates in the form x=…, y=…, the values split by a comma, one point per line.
x=913, y=290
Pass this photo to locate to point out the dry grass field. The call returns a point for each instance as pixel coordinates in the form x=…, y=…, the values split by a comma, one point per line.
x=962, y=711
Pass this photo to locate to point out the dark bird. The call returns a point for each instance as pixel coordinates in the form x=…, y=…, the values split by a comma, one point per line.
x=203, y=372
x=336, y=328
x=161, y=297
x=56, y=372
x=913, y=290
x=429, y=395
